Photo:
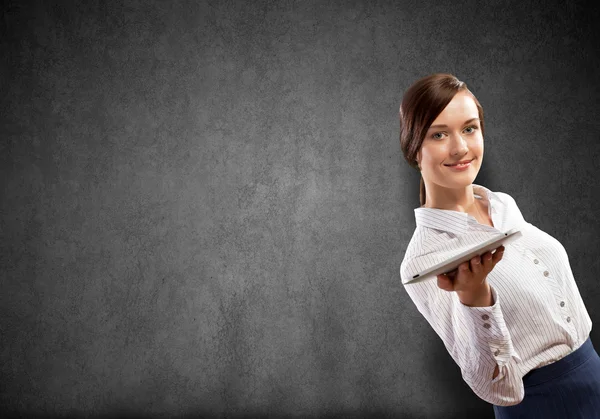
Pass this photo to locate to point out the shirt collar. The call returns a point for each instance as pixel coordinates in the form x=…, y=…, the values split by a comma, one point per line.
x=455, y=222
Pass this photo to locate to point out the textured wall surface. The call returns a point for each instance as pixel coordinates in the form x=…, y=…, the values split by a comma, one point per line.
x=204, y=204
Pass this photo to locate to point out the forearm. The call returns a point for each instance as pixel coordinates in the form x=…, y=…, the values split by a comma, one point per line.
x=505, y=390
x=476, y=338
x=481, y=297
x=495, y=371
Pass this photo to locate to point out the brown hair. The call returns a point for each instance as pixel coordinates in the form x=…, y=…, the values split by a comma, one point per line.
x=421, y=104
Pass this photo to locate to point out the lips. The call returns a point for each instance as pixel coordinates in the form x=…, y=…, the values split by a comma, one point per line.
x=460, y=162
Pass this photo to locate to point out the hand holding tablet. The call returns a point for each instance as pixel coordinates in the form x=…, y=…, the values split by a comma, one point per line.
x=451, y=265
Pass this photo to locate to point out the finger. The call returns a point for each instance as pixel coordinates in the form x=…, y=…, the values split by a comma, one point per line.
x=487, y=262
x=497, y=256
x=452, y=274
x=486, y=259
x=464, y=267
x=476, y=264
x=445, y=283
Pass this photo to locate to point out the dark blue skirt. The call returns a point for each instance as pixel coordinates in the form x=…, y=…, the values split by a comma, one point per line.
x=566, y=389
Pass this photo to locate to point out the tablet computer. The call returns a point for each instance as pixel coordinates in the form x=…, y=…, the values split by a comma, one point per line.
x=476, y=250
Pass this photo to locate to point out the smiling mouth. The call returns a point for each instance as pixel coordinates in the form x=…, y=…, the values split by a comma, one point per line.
x=459, y=164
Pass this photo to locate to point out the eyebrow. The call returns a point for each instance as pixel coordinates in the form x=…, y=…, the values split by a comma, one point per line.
x=446, y=126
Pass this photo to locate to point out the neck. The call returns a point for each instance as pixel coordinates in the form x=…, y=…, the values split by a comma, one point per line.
x=454, y=199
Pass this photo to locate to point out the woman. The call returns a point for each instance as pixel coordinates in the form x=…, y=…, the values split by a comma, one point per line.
x=513, y=320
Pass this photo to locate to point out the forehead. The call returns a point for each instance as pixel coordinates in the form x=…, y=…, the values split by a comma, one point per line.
x=461, y=108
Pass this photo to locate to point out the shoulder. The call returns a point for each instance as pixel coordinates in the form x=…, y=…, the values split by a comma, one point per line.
x=418, y=241
x=509, y=202
x=419, y=245
x=504, y=197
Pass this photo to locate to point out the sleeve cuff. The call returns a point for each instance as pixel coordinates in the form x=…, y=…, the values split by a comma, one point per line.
x=488, y=329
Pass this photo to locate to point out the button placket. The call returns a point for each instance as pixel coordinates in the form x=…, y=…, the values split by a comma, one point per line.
x=566, y=315
x=545, y=271
x=485, y=317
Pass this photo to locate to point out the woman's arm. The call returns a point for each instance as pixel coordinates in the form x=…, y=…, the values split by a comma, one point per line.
x=484, y=300
x=476, y=338
x=494, y=374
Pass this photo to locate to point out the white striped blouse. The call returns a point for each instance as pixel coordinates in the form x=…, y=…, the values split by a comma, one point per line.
x=538, y=315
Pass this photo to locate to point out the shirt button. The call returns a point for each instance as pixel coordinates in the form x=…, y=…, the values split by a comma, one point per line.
x=536, y=261
x=485, y=317
x=546, y=273
x=562, y=303
x=568, y=320
x=487, y=325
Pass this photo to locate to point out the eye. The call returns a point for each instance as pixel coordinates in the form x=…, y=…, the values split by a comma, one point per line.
x=437, y=135
x=471, y=129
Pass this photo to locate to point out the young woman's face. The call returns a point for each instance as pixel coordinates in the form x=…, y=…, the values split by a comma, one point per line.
x=454, y=136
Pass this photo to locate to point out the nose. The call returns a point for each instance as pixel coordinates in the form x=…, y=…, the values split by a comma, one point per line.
x=459, y=146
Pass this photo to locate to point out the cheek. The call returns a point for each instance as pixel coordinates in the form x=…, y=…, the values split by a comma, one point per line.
x=437, y=154
x=478, y=146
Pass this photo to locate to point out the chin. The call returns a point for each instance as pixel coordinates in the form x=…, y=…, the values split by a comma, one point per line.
x=462, y=180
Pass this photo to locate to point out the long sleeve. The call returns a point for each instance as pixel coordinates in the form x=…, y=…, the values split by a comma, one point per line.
x=477, y=339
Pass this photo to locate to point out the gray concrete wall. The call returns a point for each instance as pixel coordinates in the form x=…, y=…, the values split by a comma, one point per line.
x=204, y=204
